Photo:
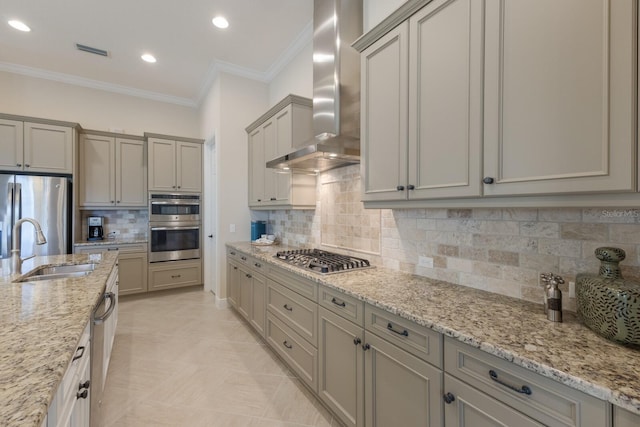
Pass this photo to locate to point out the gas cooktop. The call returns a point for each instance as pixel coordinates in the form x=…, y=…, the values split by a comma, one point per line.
x=323, y=262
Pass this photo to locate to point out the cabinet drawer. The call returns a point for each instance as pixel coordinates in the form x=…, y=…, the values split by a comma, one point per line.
x=123, y=248
x=301, y=356
x=169, y=275
x=297, y=312
x=417, y=340
x=295, y=282
x=238, y=256
x=549, y=402
x=343, y=305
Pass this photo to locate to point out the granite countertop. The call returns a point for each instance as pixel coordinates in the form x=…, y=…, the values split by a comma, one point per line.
x=110, y=242
x=512, y=329
x=41, y=323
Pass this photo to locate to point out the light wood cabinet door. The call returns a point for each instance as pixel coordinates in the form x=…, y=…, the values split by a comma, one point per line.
x=624, y=418
x=559, y=96
x=189, y=166
x=258, y=303
x=132, y=271
x=97, y=169
x=341, y=367
x=389, y=369
x=48, y=148
x=130, y=173
x=11, y=145
x=162, y=165
x=468, y=407
x=384, y=116
x=269, y=175
x=256, y=171
x=445, y=100
x=244, y=292
x=232, y=284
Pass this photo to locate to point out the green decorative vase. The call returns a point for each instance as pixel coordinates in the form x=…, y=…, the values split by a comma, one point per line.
x=609, y=304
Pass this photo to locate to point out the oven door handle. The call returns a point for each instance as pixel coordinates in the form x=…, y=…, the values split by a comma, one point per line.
x=174, y=228
x=153, y=202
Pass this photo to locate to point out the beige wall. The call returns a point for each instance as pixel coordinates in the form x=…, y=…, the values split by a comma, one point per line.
x=296, y=78
x=94, y=109
x=376, y=10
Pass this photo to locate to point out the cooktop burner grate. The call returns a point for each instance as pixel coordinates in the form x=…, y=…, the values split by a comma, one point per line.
x=323, y=262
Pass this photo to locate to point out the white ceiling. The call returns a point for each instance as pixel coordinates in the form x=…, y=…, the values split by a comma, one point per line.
x=263, y=35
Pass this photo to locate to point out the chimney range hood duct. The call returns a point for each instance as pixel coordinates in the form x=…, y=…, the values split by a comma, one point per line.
x=336, y=90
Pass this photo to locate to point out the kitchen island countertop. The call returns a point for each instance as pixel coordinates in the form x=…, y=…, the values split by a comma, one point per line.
x=512, y=329
x=41, y=323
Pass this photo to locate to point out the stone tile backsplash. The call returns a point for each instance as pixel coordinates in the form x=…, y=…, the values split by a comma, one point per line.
x=128, y=224
x=498, y=250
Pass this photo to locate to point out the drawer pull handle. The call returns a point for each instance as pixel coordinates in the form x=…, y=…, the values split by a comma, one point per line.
x=357, y=341
x=340, y=303
x=524, y=389
x=286, y=307
x=176, y=276
x=258, y=265
x=232, y=253
x=404, y=333
x=244, y=258
x=366, y=347
x=248, y=276
x=78, y=356
x=235, y=268
x=448, y=398
x=286, y=344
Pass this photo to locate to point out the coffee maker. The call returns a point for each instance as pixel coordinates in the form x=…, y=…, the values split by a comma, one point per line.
x=96, y=231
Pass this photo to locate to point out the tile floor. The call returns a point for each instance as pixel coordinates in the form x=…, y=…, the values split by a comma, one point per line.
x=180, y=361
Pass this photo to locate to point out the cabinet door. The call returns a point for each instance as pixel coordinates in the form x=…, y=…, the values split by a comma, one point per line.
x=341, y=367
x=256, y=167
x=11, y=145
x=624, y=418
x=269, y=141
x=48, y=148
x=258, y=303
x=97, y=167
x=232, y=284
x=469, y=407
x=283, y=125
x=244, y=293
x=559, y=96
x=189, y=166
x=384, y=117
x=162, y=165
x=445, y=100
x=389, y=369
x=132, y=269
x=131, y=173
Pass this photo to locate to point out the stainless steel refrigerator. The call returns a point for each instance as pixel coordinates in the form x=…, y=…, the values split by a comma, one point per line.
x=44, y=198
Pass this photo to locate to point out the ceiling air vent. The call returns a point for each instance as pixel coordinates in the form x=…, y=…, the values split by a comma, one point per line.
x=93, y=50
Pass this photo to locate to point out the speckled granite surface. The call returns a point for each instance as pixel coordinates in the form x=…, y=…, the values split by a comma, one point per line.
x=110, y=242
x=512, y=329
x=40, y=325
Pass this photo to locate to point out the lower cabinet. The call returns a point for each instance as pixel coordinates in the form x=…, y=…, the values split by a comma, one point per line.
x=481, y=389
x=174, y=274
x=71, y=404
x=132, y=263
x=624, y=418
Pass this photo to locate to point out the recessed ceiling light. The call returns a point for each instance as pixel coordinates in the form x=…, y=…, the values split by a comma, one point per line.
x=147, y=57
x=19, y=25
x=220, y=22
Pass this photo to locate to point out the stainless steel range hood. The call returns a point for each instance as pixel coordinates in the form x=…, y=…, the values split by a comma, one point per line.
x=336, y=90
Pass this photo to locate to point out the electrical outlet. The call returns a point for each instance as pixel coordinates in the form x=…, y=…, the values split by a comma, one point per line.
x=232, y=228
x=425, y=261
x=572, y=289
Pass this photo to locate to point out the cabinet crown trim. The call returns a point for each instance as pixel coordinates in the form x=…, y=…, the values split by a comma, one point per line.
x=41, y=121
x=112, y=134
x=173, y=138
x=289, y=99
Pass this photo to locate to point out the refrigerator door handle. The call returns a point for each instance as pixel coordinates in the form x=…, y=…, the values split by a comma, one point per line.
x=17, y=200
x=6, y=249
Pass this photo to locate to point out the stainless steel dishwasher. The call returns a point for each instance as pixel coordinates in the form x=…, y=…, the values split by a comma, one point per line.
x=102, y=312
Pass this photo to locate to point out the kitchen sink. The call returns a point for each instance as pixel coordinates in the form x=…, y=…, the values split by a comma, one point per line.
x=58, y=272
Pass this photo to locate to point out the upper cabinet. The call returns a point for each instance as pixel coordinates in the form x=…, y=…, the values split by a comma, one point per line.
x=36, y=147
x=465, y=99
x=274, y=134
x=113, y=170
x=175, y=164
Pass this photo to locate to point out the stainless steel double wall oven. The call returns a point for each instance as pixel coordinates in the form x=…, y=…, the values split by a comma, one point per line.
x=174, y=227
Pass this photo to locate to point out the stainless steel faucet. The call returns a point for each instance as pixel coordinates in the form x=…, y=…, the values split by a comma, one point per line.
x=16, y=260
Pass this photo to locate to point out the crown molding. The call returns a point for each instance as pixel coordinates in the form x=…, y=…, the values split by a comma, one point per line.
x=305, y=36
x=95, y=84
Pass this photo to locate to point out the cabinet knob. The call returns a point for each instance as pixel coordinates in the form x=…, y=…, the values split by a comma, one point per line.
x=248, y=276
x=488, y=180
x=259, y=200
x=178, y=186
x=19, y=164
x=357, y=341
x=273, y=199
x=411, y=187
x=400, y=188
x=448, y=398
x=85, y=384
x=117, y=201
x=112, y=202
x=83, y=394
x=366, y=347
x=174, y=186
x=27, y=165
